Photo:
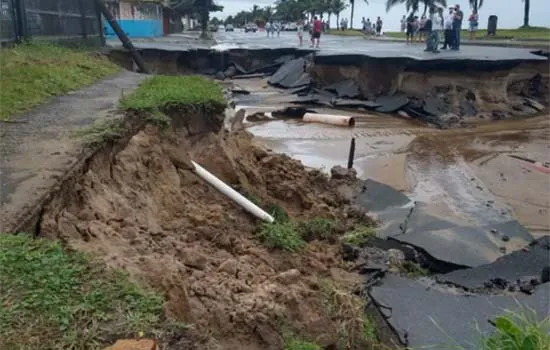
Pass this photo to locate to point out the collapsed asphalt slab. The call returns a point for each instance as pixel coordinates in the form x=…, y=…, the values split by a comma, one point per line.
x=448, y=243
x=433, y=316
x=522, y=269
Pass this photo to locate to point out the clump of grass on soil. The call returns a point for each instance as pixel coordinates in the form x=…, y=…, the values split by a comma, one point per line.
x=297, y=344
x=318, y=228
x=281, y=235
x=356, y=329
x=519, y=331
x=413, y=270
x=359, y=236
x=165, y=92
x=101, y=131
x=53, y=299
x=32, y=73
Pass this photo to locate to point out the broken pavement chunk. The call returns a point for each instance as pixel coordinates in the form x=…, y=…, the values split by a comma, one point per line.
x=292, y=74
x=434, y=317
x=347, y=88
x=391, y=104
x=511, y=267
x=341, y=102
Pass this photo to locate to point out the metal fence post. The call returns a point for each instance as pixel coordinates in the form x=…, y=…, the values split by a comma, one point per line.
x=100, y=23
x=83, y=19
x=21, y=19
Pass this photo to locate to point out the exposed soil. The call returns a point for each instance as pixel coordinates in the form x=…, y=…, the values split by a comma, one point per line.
x=137, y=206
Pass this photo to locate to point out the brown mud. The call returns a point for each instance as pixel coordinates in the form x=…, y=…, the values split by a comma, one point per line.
x=137, y=206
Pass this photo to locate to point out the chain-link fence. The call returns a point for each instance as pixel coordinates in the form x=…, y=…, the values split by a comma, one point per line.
x=55, y=19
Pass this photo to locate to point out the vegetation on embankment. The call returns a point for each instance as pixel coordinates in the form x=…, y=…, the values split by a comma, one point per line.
x=155, y=97
x=54, y=299
x=163, y=92
x=34, y=72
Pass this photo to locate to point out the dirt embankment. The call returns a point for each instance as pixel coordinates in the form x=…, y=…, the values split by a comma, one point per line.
x=139, y=207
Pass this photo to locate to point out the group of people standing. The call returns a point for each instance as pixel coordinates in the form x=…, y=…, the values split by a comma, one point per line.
x=429, y=28
x=315, y=29
x=370, y=28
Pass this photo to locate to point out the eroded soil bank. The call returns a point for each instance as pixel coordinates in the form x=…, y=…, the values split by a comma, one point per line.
x=138, y=206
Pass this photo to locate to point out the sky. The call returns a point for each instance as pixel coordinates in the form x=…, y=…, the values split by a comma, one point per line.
x=509, y=12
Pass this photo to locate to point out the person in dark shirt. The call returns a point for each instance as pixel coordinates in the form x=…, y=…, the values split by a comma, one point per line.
x=457, y=26
x=410, y=29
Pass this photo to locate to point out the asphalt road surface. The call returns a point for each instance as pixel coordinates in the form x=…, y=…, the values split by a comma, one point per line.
x=330, y=45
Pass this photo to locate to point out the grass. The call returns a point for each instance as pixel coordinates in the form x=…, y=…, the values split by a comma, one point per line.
x=356, y=329
x=316, y=229
x=413, y=270
x=165, y=92
x=53, y=299
x=360, y=236
x=34, y=72
x=281, y=235
x=101, y=131
x=297, y=344
x=531, y=34
x=349, y=32
x=521, y=330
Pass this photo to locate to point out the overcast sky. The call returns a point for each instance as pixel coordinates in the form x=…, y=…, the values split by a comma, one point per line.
x=510, y=14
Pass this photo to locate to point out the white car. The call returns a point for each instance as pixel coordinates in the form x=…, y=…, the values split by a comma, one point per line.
x=221, y=28
x=291, y=27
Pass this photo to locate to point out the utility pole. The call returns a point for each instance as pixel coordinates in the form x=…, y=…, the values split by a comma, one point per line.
x=122, y=36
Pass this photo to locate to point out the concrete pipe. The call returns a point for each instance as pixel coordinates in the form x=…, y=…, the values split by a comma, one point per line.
x=232, y=194
x=341, y=120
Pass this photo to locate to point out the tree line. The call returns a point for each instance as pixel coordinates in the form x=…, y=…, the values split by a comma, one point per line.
x=293, y=10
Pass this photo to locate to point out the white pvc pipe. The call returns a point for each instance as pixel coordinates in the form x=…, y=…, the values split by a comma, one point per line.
x=232, y=194
x=341, y=120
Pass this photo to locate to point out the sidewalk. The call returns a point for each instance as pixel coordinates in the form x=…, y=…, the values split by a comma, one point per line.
x=39, y=149
x=539, y=45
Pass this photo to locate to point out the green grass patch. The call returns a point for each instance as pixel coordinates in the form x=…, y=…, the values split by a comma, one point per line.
x=53, y=299
x=530, y=34
x=359, y=236
x=281, y=235
x=165, y=92
x=519, y=332
x=369, y=329
x=349, y=32
x=316, y=229
x=413, y=270
x=34, y=72
x=297, y=344
x=101, y=131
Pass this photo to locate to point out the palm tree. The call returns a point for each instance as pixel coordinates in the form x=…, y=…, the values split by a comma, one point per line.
x=476, y=4
x=526, y=9
x=337, y=7
x=352, y=2
x=200, y=7
x=433, y=3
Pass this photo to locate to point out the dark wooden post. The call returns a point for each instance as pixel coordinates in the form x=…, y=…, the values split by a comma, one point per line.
x=351, y=155
x=122, y=36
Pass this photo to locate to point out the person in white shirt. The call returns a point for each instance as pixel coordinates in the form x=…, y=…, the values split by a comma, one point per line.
x=448, y=27
x=301, y=31
x=403, y=24
x=434, y=26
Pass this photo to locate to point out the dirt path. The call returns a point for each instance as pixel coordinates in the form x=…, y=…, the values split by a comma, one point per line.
x=40, y=149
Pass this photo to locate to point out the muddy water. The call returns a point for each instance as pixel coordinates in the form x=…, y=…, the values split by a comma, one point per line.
x=324, y=146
